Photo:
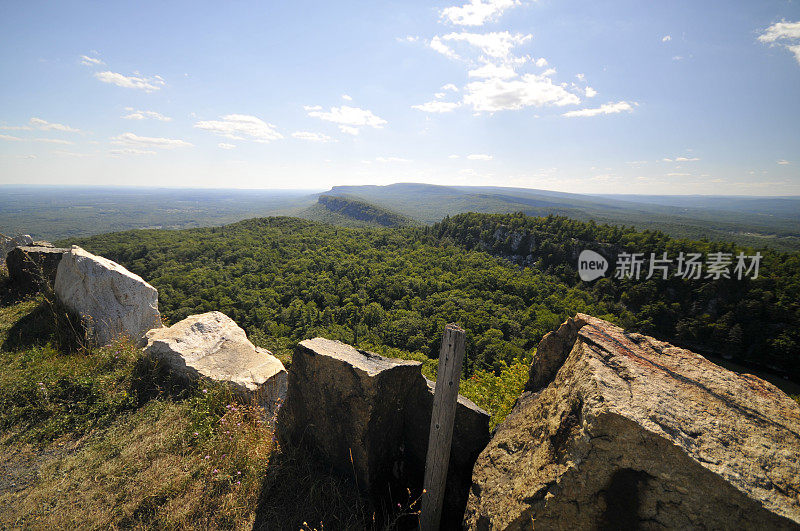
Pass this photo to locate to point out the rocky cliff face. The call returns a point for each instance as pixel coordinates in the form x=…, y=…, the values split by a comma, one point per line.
x=622, y=431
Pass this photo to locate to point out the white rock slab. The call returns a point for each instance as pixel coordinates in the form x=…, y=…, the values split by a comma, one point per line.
x=211, y=345
x=112, y=301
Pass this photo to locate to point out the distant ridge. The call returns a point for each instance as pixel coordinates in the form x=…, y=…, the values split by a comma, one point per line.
x=354, y=211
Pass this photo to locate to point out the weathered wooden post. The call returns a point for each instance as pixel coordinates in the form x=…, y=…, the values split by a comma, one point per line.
x=445, y=400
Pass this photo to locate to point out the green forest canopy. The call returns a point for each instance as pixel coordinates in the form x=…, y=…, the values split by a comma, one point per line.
x=286, y=279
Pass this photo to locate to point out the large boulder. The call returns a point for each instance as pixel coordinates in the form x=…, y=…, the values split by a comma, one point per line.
x=631, y=432
x=348, y=406
x=32, y=268
x=8, y=243
x=369, y=417
x=470, y=436
x=111, y=300
x=211, y=345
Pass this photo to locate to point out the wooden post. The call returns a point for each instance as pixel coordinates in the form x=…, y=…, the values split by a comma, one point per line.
x=443, y=413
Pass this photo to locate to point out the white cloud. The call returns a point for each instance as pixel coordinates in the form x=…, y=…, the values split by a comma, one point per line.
x=15, y=127
x=686, y=159
x=666, y=38
x=437, y=106
x=44, y=125
x=138, y=142
x=788, y=33
x=132, y=151
x=497, y=44
x=348, y=118
x=347, y=97
x=225, y=145
x=148, y=84
x=313, y=137
x=450, y=86
x=781, y=31
x=241, y=127
x=540, y=62
x=12, y=138
x=480, y=156
x=492, y=70
x=529, y=90
x=477, y=12
x=783, y=162
x=606, y=108
x=142, y=115
x=580, y=76
x=590, y=92
x=452, y=156
x=91, y=61
x=437, y=45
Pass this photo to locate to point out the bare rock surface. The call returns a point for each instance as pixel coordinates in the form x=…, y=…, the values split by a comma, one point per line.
x=632, y=432
x=369, y=417
x=211, y=345
x=111, y=300
x=31, y=268
x=8, y=243
x=348, y=405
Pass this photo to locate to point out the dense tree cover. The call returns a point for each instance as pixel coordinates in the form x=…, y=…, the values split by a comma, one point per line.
x=285, y=279
x=360, y=210
x=752, y=320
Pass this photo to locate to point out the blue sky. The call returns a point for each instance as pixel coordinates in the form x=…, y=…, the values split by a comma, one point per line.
x=677, y=97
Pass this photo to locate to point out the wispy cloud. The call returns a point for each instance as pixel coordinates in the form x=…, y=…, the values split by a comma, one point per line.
x=606, y=108
x=136, y=81
x=12, y=138
x=42, y=125
x=437, y=106
x=241, y=127
x=225, y=145
x=349, y=119
x=480, y=156
x=141, y=142
x=311, y=136
x=135, y=114
x=666, y=38
x=784, y=162
x=91, y=61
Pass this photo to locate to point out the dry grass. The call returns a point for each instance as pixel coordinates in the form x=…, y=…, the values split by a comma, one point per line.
x=96, y=438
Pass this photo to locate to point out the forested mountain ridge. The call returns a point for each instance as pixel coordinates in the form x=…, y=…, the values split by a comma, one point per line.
x=286, y=279
x=751, y=320
x=350, y=211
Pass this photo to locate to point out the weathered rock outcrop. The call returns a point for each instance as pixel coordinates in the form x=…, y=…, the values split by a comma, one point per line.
x=32, y=268
x=211, y=345
x=632, y=432
x=348, y=405
x=369, y=416
x=111, y=300
x=8, y=243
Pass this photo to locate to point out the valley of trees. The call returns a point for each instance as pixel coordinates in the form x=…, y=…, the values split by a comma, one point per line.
x=507, y=279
